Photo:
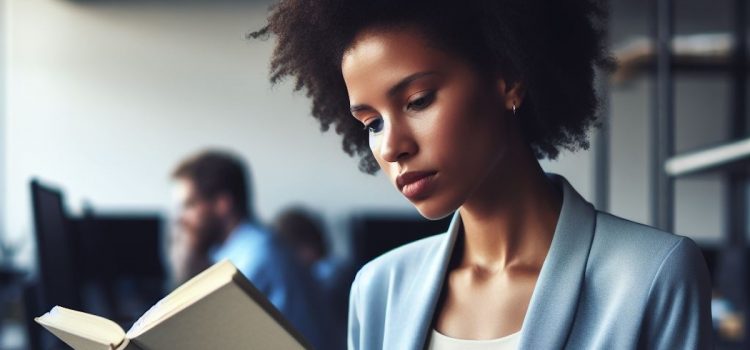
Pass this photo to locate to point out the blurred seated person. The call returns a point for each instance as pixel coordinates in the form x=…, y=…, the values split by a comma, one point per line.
x=302, y=231
x=215, y=221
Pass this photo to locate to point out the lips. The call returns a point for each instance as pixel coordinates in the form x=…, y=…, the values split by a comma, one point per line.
x=414, y=184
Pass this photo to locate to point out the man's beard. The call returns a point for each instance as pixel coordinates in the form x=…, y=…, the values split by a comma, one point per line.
x=211, y=232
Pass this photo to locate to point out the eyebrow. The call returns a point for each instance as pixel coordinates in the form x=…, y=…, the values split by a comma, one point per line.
x=395, y=89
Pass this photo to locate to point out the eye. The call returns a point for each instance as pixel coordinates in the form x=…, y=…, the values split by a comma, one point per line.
x=421, y=102
x=375, y=126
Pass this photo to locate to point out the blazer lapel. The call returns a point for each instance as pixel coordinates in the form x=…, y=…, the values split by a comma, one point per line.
x=549, y=317
x=410, y=331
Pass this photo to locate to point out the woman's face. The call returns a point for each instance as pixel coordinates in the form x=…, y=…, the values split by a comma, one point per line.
x=437, y=127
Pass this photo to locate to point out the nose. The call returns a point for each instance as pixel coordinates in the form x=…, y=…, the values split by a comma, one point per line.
x=398, y=143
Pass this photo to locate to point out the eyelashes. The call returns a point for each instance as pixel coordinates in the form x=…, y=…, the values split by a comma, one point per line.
x=375, y=126
x=421, y=102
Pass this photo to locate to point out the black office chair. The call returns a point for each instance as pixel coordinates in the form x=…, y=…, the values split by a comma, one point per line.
x=58, y=280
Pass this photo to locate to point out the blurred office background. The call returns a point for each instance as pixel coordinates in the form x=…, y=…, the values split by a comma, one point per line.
x=102, y=98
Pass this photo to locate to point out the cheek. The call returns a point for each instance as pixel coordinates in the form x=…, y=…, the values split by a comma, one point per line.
x=189, y=217
x=467, y=134
x=374, y=142
x=197, y=215
x=457, y=124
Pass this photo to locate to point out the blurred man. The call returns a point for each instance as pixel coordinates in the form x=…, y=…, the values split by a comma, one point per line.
x=215, y=221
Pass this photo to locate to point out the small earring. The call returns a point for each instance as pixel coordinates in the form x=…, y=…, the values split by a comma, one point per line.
x=514, y=109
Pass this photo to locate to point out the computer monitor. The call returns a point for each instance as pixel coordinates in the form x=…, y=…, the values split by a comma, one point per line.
x=119, y=245
x=119, y=263
x=55, y=244
x=108, y=264
x=376, y=233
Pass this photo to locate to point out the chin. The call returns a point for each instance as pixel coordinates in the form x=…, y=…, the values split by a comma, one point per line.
x=431, y=211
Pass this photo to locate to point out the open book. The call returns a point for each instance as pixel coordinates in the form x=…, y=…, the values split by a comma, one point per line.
x=217, y=309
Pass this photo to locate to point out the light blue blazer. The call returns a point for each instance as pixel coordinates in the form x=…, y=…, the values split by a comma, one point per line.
x=606, y=283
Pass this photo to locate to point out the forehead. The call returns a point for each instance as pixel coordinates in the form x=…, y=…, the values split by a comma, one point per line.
x=183, y=188
x=383, y=56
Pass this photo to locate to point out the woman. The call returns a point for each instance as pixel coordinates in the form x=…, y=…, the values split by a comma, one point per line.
x=458, y=101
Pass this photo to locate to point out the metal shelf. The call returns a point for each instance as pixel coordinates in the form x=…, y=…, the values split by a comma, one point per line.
x=714, y=158
x=705, y=52
x=666, y=167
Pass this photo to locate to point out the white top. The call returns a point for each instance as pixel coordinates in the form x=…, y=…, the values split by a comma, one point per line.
x=442, y=342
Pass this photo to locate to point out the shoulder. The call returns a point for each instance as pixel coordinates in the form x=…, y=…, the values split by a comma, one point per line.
x=656, y=282
x=259, y=240
x=612, y=227
x=642, y=245
x=665, y=276
x=644, y=256
x=254, y=250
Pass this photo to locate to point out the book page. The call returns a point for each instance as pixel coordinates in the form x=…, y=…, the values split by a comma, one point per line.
x=80, y=330
x=229, y=318
x=196, y=288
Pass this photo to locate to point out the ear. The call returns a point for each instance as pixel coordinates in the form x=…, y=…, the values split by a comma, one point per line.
x=512, y=93
x=223, y=205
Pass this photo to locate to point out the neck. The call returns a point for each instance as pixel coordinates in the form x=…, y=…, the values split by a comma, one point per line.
x=511, y=218
x=230, y=224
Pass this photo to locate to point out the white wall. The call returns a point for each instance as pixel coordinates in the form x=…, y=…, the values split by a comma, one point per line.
x=2, y=123
x=105, y=97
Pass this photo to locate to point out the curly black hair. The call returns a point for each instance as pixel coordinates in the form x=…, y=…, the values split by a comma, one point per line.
x=553, y=47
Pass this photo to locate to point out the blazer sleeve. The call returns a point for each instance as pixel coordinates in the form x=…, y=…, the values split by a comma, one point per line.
x=353, y=328
x=678, y=310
